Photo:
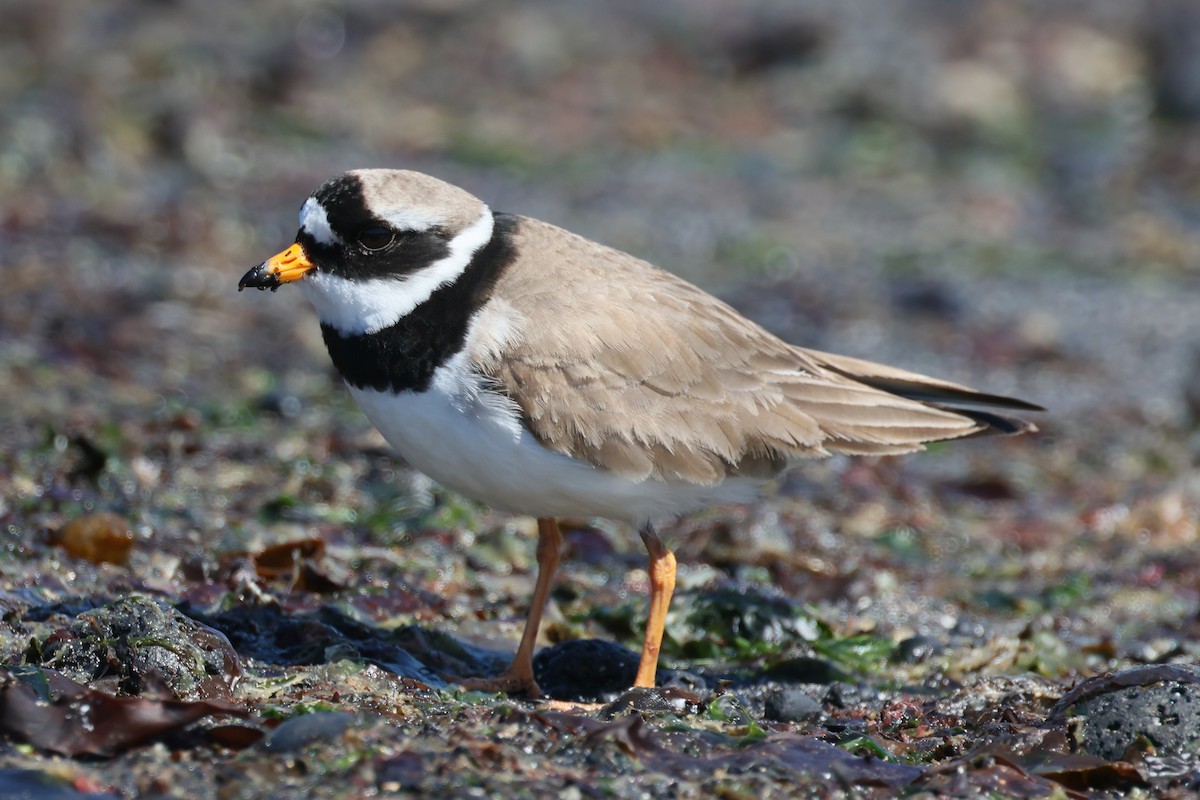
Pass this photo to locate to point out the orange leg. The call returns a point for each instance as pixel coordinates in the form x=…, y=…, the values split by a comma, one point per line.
x=662, y=586
x=519, y=676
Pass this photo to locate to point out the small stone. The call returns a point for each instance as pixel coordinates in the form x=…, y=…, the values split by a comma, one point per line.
x=850, y=695
x=803, y=669
x=916, y=650
x=300, y=732
x=792, y=704
x=585, y=670
x=659, y=700
x=1164, y=717
x=17, y=783
x=148, y=646
x=282, y=404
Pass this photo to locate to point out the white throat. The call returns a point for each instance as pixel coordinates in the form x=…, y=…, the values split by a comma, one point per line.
x=355, y=307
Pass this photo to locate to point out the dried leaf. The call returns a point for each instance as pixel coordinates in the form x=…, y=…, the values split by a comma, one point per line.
x=300, y=562
x=76, y=720
x=102, y=538
x=282, y=560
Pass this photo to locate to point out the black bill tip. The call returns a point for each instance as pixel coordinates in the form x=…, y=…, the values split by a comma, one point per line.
x=259, y=278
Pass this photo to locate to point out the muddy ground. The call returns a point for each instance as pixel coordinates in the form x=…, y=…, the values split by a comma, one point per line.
x=216, y=582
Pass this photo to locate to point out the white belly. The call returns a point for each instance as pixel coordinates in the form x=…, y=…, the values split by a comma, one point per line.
x=472, y=442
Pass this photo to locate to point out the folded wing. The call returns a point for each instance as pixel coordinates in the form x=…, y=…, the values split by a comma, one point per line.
x=641, y=373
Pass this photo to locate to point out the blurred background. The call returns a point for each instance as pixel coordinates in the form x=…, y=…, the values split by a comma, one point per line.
x=1009, y=180
x=1004, y=193
x=1001, y=193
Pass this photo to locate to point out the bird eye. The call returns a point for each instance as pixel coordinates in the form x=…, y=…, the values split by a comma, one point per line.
x=376, y=237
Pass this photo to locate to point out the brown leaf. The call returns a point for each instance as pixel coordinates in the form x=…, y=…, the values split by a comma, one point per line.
x=235, y=737
x=300, y=562
x=282, y=560
x=1082, y=772
x=71, y=719
x=101, y=538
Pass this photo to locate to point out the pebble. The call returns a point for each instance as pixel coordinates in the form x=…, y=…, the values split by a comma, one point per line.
x=1165, y=716
x=300, y=732
x=792, y=704
x=585, y=670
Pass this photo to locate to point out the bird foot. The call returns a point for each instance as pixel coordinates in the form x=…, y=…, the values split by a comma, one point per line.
x=570, y=706
x=510, y=682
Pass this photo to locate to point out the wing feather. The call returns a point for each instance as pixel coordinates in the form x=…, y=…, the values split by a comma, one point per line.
x=639, y=372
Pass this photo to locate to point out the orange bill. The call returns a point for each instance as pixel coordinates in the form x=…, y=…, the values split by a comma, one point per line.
x=290, y=265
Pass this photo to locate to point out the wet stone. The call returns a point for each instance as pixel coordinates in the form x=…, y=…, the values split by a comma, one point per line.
x=916, y=650
x=273, y=636
x=847, y=695
x=282, y=404
x=68, y=608
x=792, y=704
x=149, y=647
x=31, y=784
x=300, y=732
x=803, y=669
x=659, y=700
x=685, y=680
x=926, y=297
x=1164, y=716
x=729, y=708
x=403, y=771
x=585, y=670
x=731, y=613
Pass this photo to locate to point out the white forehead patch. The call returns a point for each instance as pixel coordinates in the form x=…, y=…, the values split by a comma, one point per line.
x=366, y=306
x=315, y=222
x=407, y=218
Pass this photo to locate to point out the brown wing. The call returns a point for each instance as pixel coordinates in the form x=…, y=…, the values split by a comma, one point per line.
x=639, y=372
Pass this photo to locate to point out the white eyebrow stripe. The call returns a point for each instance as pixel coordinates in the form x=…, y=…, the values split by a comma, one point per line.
x=404, y=218
x=315, y=221
x=355, y=307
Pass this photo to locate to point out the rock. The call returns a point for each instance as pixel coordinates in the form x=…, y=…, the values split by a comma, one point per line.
x=298, y=733
x=657, y=701
x=585, y=670
x=803, y=669
x=916, y=650
x=147, y=646
x=1164, y=716
x=31, y=784
x=792, y=704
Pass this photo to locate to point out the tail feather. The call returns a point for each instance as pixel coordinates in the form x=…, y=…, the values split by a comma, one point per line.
x=995, y=423
x=938, y=393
